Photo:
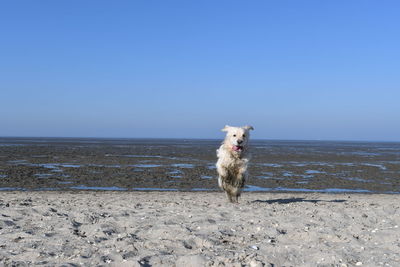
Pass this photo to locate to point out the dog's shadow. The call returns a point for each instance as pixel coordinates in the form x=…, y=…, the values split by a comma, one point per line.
x=295, y=200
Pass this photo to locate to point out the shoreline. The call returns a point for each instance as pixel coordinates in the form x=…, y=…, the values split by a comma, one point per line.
x=199, y=228
x=250, y=190
x=329, y=191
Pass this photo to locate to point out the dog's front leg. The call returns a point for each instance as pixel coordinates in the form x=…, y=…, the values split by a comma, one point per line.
x=241, y=177
x=225, y=183
x=222, y=175
x=240, y=180
x=222, y=171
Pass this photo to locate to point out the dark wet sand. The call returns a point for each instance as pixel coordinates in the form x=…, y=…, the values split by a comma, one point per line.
x=185, y=165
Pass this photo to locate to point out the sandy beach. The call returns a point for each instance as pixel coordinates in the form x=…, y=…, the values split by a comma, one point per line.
x=198, y=229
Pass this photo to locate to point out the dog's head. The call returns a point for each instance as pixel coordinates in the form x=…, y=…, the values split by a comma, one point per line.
x=237, y=137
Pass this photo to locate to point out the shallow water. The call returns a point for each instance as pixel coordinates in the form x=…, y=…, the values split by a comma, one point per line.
x=84, y=187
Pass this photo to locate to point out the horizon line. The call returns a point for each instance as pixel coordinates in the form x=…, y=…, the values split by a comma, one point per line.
x=197, y=138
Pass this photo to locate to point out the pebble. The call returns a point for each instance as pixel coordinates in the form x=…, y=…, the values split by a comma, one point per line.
x=255, y=247
x=358, y=263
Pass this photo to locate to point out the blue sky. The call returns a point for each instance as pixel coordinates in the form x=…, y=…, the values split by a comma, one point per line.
x=325, y=70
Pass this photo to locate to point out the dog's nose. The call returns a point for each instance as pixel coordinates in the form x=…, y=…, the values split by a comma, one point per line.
x=239, y=141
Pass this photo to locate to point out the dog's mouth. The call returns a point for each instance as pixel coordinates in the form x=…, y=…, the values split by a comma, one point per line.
x=237, y=148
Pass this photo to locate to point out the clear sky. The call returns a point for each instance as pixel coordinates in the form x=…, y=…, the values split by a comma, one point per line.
x=292, y=69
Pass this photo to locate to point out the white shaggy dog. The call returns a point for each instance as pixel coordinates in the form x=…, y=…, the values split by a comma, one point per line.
x=233, y=157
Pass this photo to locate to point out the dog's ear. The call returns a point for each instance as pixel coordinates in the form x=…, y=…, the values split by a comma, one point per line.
x=226, y=128
x=248, y=127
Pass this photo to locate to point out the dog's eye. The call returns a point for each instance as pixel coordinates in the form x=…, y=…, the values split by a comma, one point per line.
x=234, y=135
x=244, y=135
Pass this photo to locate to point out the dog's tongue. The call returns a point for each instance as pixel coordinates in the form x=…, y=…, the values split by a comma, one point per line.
x=237, y=148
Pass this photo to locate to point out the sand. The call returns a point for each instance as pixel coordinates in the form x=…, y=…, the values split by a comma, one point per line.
x=198, y=229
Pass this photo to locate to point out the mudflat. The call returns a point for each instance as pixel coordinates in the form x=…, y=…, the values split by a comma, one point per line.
x=189, y=165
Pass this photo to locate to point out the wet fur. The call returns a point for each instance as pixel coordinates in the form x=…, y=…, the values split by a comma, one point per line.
x=232, y=165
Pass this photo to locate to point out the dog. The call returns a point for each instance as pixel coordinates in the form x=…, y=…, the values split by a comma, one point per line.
x=233, y=157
